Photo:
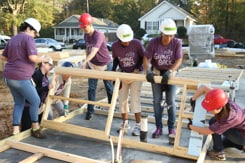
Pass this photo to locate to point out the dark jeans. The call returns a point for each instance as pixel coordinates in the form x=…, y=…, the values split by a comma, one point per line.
x=230, y=138
x=170, y=92
x=92, y=86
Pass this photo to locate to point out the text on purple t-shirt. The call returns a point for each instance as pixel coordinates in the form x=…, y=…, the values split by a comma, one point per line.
x=163, y=57
x=128, y=56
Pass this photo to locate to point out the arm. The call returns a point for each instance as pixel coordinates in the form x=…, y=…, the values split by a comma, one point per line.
x=37, y=59
x=90, y=56
x=201, y=90
x=176, y=65
x=201, y=130
x=146, y=63
x=3, y=58
x=115, y=64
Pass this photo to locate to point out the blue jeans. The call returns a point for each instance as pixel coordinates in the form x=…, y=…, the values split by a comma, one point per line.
x=22, y=90
x=232, y=136
x=92, y=86
x=170, y=91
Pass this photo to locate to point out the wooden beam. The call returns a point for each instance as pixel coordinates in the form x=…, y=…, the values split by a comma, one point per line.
x=112, y=107
x=80, y=101
x=33, y=158
x=203, y=153
x=100, y=135
x=4, y=148
x=180, y=117
x=50, y=152
x=109, y=75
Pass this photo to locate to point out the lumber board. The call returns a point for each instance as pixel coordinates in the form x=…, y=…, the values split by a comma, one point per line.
x=50, y=152
x=180, y=117
x=108, y=75
x=196, y=139
x=203, y=153
x=80, y=101
x=56, y=56
x=33, y=158
x=112, y=106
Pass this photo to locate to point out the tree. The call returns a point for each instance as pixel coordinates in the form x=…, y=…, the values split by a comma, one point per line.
x=13, y=9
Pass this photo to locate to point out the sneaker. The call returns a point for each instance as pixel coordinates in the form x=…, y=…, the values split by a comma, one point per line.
x=171, y=133
x=37, y=134
x=88, y=116
x=136, y=130
x=127, y=127
x=157, y=133
x=217, y=155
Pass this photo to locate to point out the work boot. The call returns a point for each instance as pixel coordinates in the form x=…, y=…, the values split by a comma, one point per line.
x=171, y=136
x=217, y=155
x=136, y=130
x=88, y=116
x=157, y=133
x=37, y=134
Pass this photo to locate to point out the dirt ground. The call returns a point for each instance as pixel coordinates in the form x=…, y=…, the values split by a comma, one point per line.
x=78, y=90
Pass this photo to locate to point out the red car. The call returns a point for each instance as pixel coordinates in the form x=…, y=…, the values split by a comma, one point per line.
x=218, y=39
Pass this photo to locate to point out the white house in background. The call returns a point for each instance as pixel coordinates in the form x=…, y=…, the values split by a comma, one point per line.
x=152, y=19
x=69, y=28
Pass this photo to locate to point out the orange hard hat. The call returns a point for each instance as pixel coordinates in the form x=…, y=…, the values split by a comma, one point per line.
x=85, y=19
x=214, y=99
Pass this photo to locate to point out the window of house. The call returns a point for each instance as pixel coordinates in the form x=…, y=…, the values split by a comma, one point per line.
x=152, y=25
x=60, y=31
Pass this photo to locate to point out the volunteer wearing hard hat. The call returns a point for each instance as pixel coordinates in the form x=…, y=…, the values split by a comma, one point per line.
x=128, y=53
x=21, y=56
x=165, y=55
x=228, y=124
x=97, y=58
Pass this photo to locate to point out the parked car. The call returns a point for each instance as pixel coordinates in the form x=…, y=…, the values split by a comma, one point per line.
x=3, y=41
x=218, y=39
x=79, y=44
x=148, y=37
x=49, y=43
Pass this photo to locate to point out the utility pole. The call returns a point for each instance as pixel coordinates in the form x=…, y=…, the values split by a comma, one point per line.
x=87, y=7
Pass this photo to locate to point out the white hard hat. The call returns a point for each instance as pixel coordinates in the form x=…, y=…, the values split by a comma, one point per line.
x=168, y=27
x=34, y=23
x=125, y=33
x=50, y=59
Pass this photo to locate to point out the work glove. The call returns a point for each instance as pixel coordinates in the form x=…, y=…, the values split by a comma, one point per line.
x=193, y=104
x=190, y=123
x=165, y=77
x=150, y=76
x=66, y=109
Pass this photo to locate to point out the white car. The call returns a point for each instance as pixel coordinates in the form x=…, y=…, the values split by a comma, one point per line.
x=148, y=37
x=3, y=41
x=49, y=43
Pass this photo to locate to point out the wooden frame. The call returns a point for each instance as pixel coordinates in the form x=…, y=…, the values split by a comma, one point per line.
x=104, y=135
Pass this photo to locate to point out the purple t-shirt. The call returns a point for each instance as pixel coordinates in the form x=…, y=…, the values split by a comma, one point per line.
x=18, y=49
x=236, y=119
x=97, y=40
x=163, y=57
x=128, y=56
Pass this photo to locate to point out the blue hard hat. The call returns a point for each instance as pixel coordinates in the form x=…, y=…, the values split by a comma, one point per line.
x=67, y=64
